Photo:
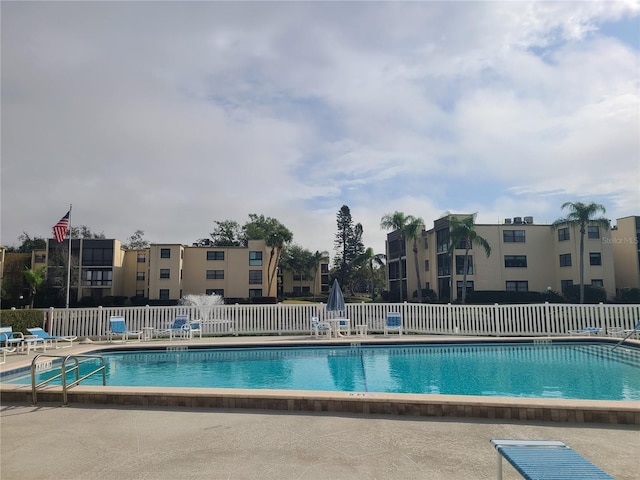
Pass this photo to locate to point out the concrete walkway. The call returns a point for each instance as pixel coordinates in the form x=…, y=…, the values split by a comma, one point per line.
x=102, y=443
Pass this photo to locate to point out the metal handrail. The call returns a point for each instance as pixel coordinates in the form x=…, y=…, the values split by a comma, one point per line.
x=63, y=374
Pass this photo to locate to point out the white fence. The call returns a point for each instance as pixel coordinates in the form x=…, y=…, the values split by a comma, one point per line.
x=295, y=319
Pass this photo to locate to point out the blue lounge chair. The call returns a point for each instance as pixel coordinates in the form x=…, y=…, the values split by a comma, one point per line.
x=6, y=350
x=10, y=339
x=393, y=322
x=179, y=328
x=119, y=328
x=588, y=331
x=52, y=340
x=318, y=327
x=546, y=459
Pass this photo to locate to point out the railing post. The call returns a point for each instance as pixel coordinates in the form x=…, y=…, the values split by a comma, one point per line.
x=100, y=323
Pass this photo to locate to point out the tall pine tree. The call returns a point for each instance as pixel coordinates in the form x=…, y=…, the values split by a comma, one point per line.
x=348, y=245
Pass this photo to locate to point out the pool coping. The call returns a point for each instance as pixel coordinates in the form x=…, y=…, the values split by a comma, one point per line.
x=354, y=403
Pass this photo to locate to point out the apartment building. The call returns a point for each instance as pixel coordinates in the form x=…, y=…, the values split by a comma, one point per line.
x=625, y=240
x=102, y=268
x=525, y=256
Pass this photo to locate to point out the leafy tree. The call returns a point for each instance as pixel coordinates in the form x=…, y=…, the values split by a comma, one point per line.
x=82, y=231
x=35, y=279
x=348, y=245
x=463, y=231
x=28, y=244
x=228, y=233
x=136, y=241
x=408, y=227
x=580, y=215
x=275, y=235
x=297, y=260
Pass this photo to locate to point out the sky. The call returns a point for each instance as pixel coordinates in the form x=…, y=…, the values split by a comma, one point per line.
x=167, y=116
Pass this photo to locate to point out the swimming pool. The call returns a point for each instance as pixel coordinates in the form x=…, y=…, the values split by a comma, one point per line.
x=562, y=371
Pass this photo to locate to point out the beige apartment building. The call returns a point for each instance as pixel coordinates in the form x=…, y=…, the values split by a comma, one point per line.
x=625, y=240
x=164, y=272
x=525, y=256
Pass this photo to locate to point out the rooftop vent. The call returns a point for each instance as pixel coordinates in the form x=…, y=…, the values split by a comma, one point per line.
x=528, y=220
x=517, y=220
x=507, y=221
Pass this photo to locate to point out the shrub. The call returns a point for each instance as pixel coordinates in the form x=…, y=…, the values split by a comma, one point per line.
x=20, y=320
x=628, y=295
x=591, y=294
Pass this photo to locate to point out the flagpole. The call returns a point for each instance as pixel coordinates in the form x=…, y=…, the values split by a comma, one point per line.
x=69, y=258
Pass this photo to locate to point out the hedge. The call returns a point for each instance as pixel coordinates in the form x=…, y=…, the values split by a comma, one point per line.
x=20, y=320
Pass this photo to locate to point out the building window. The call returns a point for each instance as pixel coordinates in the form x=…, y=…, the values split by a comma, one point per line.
x=164, y=294
x=444, y=265
x=255, y=277
x=517, y=286
x=597, y=282
x=142, y=257
x=459, y=287
x=563, y=234
x=255, y=259
x=215, y=255
x=139, y=293
x=595, y=258
x=215, y=291
x=97, y=278
x=515, y=261
x=255, y=292
x=565, y=260
x=513, y=236
x=40, y=258
x=165, y=273
x=165, y=253
x=460, y=265
x=564, y=284
x=97, y=256
x=139, y=276
x=593, y=231
x=215, y=274
x=426, y=265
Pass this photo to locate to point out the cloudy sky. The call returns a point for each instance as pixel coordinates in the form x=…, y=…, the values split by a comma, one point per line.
x=165, y=116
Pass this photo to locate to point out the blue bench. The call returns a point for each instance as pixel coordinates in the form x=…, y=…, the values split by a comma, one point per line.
x=546, y=459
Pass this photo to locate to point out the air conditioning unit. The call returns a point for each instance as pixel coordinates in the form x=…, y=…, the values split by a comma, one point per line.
x=517, y=220
x=528, y=220
x=507, y=221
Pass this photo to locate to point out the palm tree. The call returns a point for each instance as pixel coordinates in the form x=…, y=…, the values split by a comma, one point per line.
x=35, y=279
x=463, y=230
x=580, y=215
x=316, y=259
x=409, y=227
x=371, y=259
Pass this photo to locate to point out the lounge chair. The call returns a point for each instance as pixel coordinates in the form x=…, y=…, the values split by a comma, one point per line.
x=119, y=328
x=393, y=322
x=6, y=350
x=588, y=331
x=615, y=331
x=179, y=328
x=10, y=338
x=195, y=327
x=318, y=327
x=546, y=459
x=52, y=340
x=633, y=331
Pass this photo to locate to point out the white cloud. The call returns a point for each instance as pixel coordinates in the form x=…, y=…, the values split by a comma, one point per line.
x=166, y=116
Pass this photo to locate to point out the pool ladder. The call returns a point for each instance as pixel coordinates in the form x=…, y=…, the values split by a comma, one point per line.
x=63, y=373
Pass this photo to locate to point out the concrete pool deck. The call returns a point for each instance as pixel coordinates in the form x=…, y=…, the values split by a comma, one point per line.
x=49, y=442
x=455, y=406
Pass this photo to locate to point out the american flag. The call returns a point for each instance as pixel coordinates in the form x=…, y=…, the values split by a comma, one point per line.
x=60, y=228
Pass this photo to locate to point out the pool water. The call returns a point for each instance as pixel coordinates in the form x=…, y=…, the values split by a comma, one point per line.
x=578, y=370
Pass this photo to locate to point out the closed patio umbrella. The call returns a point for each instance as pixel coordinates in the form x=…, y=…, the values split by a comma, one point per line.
x=335, y=302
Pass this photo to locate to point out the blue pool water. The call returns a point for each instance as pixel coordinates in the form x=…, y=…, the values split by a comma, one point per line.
x=585, y=371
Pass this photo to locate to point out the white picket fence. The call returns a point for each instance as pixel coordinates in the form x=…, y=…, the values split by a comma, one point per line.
x=295, y=319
